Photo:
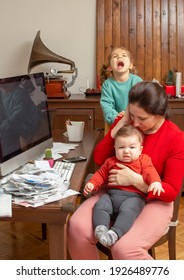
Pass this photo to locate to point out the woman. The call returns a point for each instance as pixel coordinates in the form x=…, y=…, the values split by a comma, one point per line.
x=164, y=143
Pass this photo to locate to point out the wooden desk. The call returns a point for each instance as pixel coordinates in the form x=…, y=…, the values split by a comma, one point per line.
x=176, y=106
x=88, y=109
x=77, y=107
x=53, y=214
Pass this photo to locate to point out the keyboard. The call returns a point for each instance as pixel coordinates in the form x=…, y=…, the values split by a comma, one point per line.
x=65, y=169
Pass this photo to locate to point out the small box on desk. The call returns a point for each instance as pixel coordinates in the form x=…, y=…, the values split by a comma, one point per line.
x=171, y=90
x=56, y=89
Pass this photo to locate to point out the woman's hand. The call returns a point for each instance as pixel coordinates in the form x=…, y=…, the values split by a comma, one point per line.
x=126, y=177
x=123, y=121
x=120, y=114
x=126, y=118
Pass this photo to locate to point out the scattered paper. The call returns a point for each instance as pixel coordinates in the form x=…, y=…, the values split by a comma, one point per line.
x=59, y=147
x=42, y=201
x=42, y=164
x=37, y=184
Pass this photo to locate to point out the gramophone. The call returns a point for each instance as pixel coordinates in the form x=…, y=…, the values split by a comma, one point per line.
x=56, y=85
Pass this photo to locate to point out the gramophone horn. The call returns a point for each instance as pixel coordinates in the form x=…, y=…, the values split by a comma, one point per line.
x=41, y=54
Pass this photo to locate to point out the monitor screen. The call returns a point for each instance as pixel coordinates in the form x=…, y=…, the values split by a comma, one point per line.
x=25, y=130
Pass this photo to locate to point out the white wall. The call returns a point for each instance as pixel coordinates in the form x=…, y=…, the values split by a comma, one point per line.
x=68, y=28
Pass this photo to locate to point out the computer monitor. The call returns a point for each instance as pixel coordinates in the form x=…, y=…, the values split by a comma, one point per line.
x=25, y=130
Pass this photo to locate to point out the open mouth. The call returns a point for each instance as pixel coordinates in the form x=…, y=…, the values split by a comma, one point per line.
x=120, y=64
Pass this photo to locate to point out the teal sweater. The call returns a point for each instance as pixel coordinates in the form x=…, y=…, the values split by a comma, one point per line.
x=114, y=96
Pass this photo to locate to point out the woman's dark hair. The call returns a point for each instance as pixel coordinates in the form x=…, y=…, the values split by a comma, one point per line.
x=151, y=97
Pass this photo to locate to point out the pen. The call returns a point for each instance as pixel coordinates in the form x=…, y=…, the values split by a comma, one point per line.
x=68, y=122
x=31, y=181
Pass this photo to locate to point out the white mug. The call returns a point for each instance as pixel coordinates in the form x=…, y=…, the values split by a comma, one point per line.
x=75, y=131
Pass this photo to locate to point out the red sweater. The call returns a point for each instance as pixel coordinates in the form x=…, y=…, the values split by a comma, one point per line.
x=166, y=149
x=143, y=165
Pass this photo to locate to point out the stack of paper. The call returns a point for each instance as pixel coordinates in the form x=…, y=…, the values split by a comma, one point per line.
x=37, y=187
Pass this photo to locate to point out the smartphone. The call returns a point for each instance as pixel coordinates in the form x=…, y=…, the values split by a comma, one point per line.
x=74, y=159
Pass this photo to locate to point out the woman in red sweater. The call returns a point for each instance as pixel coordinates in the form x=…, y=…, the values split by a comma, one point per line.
x=164, y=143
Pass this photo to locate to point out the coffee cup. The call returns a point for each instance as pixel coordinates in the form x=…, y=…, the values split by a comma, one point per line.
x=75, y=130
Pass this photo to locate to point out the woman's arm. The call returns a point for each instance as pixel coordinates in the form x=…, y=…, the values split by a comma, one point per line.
x=126, y=177
x=105, y=148
x=125, y=119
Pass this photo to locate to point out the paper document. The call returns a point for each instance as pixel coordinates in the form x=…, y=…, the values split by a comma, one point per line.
x=63, y=148
x=5, y=205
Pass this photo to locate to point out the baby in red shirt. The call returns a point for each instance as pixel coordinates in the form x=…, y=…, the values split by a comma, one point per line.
x=122, y=204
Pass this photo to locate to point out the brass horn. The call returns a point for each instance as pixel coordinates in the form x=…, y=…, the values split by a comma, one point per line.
x=41, y=54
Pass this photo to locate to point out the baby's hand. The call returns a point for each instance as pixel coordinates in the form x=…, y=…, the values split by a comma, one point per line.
x=156, y=187
x=88, y=189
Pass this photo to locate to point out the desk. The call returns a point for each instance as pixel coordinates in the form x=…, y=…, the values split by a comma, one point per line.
x=78, y=107
x=52, y=214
